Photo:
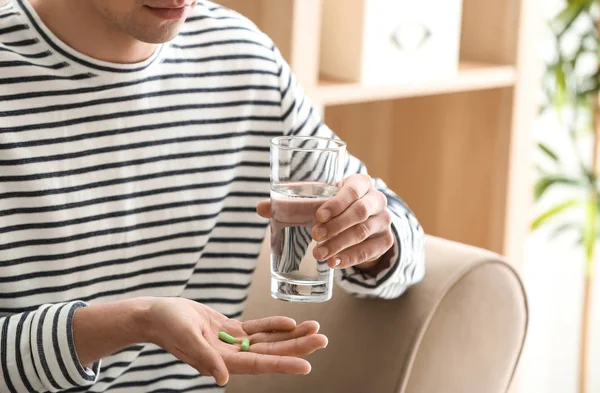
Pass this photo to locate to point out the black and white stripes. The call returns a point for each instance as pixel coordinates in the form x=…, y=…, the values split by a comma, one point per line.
x=119, y=181
x=31, y=346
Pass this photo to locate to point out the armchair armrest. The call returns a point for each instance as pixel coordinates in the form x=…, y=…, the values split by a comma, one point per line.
x=460, y=330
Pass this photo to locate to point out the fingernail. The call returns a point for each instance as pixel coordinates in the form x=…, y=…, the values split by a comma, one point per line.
x=336, y=262
x=217, y=375
x=324, y=215
x=321, y=232
x=323, y=251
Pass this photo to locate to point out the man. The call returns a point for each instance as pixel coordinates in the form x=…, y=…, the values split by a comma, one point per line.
x=134, y=142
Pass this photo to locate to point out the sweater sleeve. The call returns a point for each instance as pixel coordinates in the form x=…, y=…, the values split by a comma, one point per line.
x=37, y=353
x=407, y=262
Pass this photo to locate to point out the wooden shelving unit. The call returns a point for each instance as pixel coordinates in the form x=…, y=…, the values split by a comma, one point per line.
x=457, y=149
x=471, y=76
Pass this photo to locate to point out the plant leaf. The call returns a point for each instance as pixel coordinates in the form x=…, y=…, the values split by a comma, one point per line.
x=586, y=3
x=560, y=80
x=554, y=211
x=591, y=177
x=548, y=151
x=545, y=182
x=566, y=17
x=559, y=230
x=589, y=232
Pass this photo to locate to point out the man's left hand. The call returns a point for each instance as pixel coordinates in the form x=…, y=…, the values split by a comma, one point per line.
x=354, y=227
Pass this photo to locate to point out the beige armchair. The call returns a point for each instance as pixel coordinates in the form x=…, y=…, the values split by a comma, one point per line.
x=460, y=330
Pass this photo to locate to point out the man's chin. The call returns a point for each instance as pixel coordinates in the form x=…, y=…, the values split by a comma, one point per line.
x=159, y=35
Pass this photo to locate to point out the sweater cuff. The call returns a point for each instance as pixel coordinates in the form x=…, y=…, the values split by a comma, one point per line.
x=406, y=266
x=53, y=348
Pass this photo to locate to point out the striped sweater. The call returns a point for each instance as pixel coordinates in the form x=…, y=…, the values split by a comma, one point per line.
x=118, y=181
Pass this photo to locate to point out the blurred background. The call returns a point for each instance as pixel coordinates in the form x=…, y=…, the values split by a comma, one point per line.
x=483, y=115
x=563, y=345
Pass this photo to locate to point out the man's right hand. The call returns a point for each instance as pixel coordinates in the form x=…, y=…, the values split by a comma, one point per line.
x=189, y=330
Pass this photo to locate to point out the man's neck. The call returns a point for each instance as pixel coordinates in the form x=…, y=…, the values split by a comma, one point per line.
x=83, y=28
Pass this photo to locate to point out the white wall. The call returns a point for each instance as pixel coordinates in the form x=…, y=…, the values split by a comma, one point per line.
x=554, y=276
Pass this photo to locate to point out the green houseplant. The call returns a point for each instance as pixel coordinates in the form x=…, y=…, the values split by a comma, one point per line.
x=571, y=89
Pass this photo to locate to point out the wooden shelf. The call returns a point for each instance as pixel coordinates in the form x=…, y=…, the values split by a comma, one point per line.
x=471, y=76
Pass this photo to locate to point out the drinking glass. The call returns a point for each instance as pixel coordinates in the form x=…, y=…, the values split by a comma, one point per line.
x=305, y=172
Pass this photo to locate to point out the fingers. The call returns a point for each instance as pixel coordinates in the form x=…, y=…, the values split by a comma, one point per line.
x=209, y=362
x=353, y=236
x=304, y=329
x=371, y=204
x=254, y=363
x=271, y=324
x=295, y=347
x=368, y=250
x=264, y=208
x=354, y=188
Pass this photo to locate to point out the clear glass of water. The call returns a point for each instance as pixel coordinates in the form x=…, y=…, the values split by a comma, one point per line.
x=305, y=172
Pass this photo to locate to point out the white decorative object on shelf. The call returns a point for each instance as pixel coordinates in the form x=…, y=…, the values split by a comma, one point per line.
x=390, y=41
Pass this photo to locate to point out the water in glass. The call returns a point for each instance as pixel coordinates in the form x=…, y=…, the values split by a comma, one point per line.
x=295, y=274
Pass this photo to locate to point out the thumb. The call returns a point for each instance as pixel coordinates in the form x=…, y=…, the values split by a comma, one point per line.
x=210, y=360
x=264, y=208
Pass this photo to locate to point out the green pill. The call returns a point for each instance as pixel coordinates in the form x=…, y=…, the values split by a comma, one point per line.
x=245, y=345
x=226, y=338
